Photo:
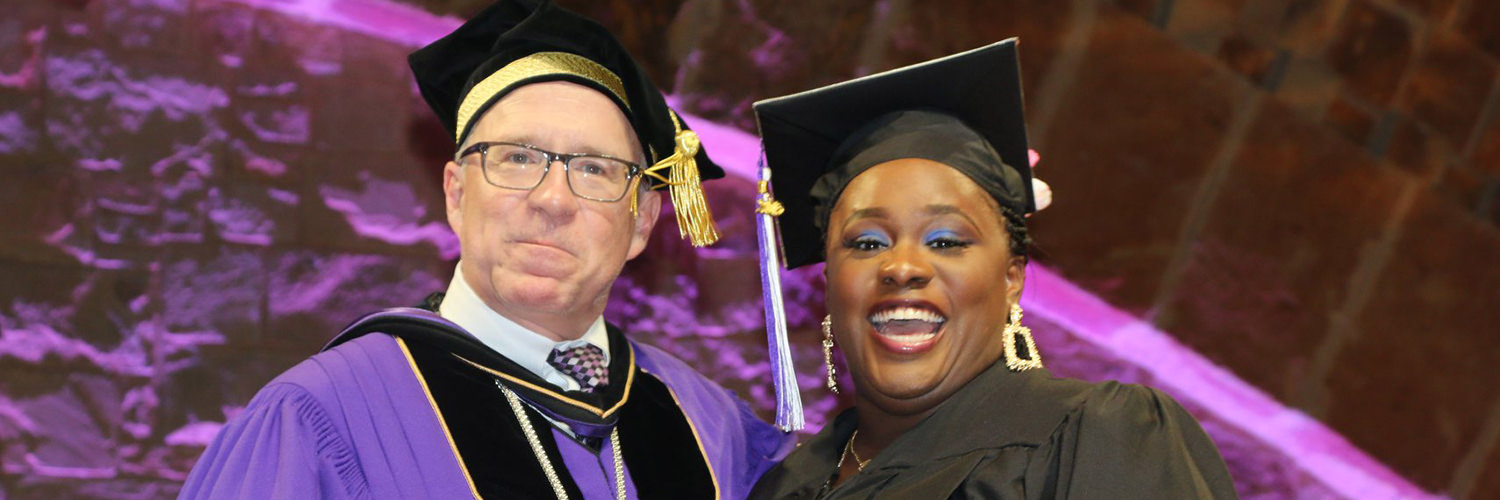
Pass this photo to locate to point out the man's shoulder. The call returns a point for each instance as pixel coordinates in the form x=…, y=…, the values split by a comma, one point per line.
x=327, y=373
x=679, y=376
x=692, y=390
x=659, y=362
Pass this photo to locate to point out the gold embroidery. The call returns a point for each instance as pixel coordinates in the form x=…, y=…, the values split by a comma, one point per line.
x=538, y=64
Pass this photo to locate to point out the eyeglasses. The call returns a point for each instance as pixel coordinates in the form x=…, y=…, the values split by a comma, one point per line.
x=519, y=166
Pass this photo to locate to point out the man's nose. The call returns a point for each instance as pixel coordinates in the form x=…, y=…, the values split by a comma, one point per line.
x=553, y=196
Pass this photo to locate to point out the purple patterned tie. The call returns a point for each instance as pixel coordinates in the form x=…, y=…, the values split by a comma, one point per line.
x=585, y=363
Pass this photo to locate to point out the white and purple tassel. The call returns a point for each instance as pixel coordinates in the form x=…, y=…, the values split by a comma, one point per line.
x=788, y=394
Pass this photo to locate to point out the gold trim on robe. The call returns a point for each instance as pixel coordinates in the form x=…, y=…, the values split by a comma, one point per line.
x=629, y=382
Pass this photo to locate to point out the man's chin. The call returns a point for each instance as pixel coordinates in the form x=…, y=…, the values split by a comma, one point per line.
x=524, y=290
x=537, y=299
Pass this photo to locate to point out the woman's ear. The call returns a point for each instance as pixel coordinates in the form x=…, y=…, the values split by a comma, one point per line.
x=1015, y=279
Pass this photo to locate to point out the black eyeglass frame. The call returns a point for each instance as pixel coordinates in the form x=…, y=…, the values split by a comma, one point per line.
x=483, y=149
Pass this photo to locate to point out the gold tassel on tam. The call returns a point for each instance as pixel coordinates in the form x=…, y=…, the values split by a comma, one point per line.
x=694, y=221
x=765, y=204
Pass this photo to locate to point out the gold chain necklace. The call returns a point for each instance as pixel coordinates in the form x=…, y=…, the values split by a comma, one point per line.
x=849, y=447
x=837, y=469
x=541, y=453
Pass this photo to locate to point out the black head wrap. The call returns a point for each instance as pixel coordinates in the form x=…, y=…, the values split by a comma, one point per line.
x=927, y=135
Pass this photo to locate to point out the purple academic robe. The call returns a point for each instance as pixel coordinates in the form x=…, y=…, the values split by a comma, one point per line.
x=359, y=421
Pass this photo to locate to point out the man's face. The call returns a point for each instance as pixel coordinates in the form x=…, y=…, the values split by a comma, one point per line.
x=544, y=257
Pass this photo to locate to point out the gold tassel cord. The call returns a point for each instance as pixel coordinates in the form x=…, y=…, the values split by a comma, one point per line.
x=693, y=217
x=694, y=221
x=765, y=204
x=635, y=197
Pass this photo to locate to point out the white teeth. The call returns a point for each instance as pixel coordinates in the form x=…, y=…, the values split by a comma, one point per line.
x=908, y=314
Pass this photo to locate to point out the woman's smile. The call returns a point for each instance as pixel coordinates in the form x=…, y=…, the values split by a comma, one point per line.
x=906, y=326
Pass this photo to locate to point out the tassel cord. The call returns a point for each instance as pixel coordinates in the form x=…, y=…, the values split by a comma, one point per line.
x=789, y=415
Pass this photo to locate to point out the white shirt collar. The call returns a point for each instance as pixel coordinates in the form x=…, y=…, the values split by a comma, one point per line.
x=525, y=347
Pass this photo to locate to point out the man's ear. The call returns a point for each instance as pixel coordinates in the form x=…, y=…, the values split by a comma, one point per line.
x=648, y=207
x=1015, y=279
x=453, y=195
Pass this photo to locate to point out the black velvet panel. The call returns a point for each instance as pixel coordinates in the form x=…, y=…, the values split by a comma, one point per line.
x=489, y=440
x=659, y=445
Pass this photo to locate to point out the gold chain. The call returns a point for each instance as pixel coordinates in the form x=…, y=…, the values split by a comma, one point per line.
x=541, y=454
x=849, y=447
x=614, y=449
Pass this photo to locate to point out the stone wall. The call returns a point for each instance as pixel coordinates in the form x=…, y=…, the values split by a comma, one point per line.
x=200, y=192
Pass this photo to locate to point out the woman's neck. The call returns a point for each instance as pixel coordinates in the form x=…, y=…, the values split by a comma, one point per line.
x=879, y=428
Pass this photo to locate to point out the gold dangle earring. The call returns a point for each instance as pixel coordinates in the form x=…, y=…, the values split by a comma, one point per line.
x=833, y=382
x=1017, y=337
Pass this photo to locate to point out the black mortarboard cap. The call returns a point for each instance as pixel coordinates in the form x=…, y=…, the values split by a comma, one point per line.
x=518, y=42
x=963, y=110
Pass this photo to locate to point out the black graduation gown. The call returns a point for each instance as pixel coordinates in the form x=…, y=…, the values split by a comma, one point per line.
x=1022, y=435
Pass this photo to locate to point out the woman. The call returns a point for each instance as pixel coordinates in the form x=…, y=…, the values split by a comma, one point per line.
x=912, y=185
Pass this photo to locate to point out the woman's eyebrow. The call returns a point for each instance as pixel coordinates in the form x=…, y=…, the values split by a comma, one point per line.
x=873, y=213
x=941, y=209
x=945, y=209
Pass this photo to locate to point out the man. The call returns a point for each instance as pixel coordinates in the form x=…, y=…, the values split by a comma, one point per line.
x=512, y=385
